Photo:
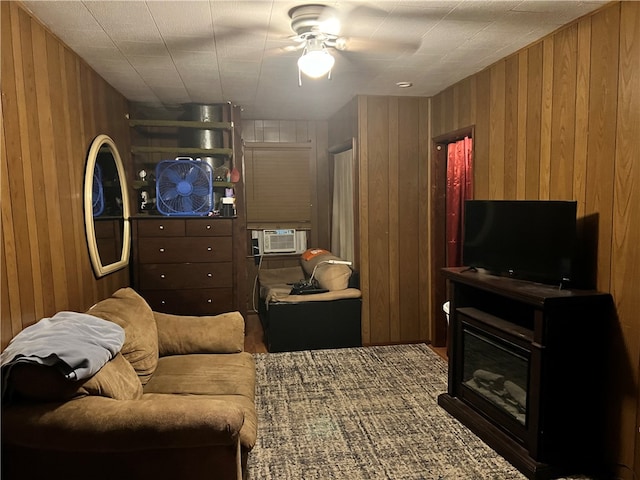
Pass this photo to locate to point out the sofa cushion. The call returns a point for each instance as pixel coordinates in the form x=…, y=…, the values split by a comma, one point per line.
x=329, y=276
x=183, y=334
x=129, y=310
x=116, y=379
x=205, y=374
x=228, y=377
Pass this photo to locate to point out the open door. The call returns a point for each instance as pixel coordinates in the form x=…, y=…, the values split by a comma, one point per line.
x=441, y=238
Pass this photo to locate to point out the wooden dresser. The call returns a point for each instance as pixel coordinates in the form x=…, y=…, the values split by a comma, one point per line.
x=185, y=265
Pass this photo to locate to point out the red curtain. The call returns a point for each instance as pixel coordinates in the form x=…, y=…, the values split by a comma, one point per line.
x=459, y=189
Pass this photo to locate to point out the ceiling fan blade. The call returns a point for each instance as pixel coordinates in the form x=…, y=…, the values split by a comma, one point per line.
x=333, y=20
x=293, y=48
x=359, y=44
x=283, y=50
x=330, y=20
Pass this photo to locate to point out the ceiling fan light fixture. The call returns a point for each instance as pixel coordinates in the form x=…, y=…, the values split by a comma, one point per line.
x=315, y=61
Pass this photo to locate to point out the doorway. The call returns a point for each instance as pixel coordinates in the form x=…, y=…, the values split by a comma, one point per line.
x=439, y=239
x=344, y=217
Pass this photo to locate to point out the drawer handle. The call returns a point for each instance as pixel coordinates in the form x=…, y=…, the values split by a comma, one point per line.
x=162, y=275
x=208, y=227
x=210, y=275
x=209, y=301
x=163, y=302
x=209, y=249
x=161, y=227
x=161, y=250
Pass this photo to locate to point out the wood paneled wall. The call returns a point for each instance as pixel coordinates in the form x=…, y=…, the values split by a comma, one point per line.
x=561, y=120
x=392, y=135
x=53, y=105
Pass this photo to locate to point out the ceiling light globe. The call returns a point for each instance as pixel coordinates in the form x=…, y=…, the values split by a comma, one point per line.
x=316, y=63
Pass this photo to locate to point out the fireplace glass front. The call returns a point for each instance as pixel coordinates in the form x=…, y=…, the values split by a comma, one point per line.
x=496, y=370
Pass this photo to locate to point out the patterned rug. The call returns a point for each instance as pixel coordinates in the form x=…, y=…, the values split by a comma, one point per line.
x=363, y=413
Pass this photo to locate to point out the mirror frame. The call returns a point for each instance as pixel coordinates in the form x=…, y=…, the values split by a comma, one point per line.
x=99, y=269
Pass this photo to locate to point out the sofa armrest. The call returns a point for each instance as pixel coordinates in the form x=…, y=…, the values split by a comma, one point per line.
x=182, y=334
x=100, y=424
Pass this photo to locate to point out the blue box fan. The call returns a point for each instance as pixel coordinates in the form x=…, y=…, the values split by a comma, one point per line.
x=97, y=192
x=184, y=187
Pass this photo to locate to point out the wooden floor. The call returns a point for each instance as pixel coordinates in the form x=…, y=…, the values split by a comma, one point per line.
x=254, y=338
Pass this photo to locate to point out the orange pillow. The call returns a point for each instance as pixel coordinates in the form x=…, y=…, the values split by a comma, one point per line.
x=314, y=252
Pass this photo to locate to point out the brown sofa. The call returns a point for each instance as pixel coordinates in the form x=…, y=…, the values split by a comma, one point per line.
x=177, y=402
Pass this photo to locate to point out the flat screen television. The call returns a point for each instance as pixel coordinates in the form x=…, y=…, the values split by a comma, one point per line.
x=525, y=239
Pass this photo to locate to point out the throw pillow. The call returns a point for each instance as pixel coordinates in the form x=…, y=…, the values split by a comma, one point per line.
x=184, y=334
x=117, y=379
x=329, y=276
x=133, y=314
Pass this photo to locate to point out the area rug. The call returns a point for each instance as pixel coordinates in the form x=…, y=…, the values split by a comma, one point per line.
x=363, y=413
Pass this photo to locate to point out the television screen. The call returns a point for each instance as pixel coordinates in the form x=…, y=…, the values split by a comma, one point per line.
x=526, y=239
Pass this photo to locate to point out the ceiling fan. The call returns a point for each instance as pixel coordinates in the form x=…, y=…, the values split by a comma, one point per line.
x=317, y=30
x=316, y=27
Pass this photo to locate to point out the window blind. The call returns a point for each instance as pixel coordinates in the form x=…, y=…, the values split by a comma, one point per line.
x=277, y=185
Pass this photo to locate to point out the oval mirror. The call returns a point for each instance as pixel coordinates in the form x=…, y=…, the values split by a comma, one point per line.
x=106, y=208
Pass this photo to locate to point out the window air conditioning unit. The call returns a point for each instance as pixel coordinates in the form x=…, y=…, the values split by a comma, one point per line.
x=279, y=241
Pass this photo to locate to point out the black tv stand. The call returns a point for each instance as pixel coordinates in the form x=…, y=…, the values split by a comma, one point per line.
x=543, y=338
x=469, y=269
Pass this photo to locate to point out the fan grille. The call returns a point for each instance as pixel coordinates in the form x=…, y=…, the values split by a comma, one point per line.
x=184, y=187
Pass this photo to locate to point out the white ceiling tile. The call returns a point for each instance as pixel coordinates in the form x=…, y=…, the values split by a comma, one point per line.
x=152, y=63
x=114, y=14
x=222, y=50
x=182, y=17
x=78, y=38
x=143, y=49
x=184, y=43
x=63, y=15
x=204, y=62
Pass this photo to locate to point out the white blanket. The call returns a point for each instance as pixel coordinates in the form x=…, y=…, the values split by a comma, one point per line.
x=77, y=344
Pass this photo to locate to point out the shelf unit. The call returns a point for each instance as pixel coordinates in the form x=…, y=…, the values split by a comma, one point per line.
x=222, y=126
x=156, y=139
x=159, y=134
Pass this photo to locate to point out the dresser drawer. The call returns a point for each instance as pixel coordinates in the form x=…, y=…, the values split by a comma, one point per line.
x=208, y=227
x=201, y=301
x=185, y=250
x=161, y=276
x=161, y=227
